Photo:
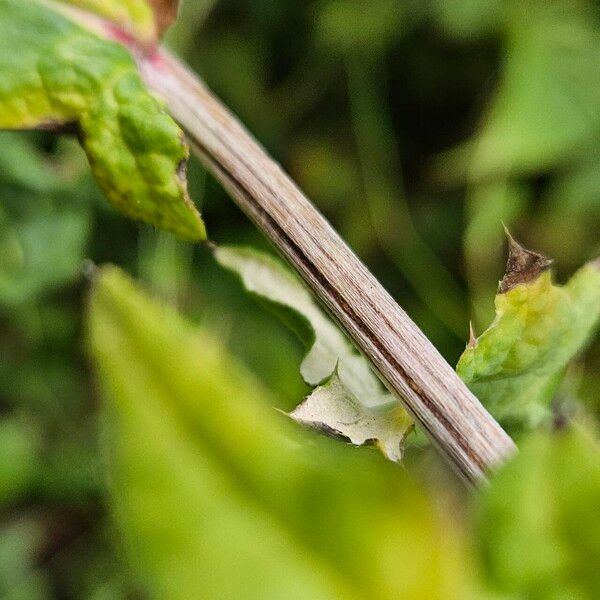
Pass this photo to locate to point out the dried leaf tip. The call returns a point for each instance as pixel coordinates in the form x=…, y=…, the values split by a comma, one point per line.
x=165, y=13
x=472, y=336
x=522, y=266
x=596, y=263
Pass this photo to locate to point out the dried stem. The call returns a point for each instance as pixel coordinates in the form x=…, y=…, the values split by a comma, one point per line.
x=406, y=360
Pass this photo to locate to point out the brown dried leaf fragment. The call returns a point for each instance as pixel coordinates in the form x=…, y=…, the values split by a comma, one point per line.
x=523, y=266
x=165, y=14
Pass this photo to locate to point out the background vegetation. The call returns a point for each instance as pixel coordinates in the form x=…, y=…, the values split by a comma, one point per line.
x=416, y=127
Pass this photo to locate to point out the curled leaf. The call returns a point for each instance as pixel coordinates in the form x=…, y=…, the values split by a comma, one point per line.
x=55, y=74
x=351, y=400
x=516, y=365
x=335, y=411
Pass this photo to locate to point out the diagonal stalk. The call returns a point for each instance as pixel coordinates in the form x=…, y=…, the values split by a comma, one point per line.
x=407, y=362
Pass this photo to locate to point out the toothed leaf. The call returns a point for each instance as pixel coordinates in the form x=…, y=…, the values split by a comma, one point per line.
x=54, y=74
x=355, y=390
x=516, y=366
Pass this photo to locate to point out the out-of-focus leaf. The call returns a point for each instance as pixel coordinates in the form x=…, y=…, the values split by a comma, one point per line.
x=325, y=171
x=468, y=19
x=18, y=458
x=353, y=405
x=40, y=253
x=489, y=203
x=19, y=579
x=539, y=531
x=351, y=26
x=55, y=74
x=577, y=190
x=219, y=496
x=144, y=19
x=515, y=366
x=572, y=211
x=22, y=164
x=547, y=104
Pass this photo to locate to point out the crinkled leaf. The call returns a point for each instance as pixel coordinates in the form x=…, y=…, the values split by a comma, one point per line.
x=515, y=366
x=55, y=74
x=539, y=530
x=355, y=395
x=219, y=496
x=144, y=19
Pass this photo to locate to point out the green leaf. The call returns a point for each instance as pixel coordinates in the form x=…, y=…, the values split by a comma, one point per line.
x=18, y=459
x=539, y=531
x=516, y=365
x=22, y=165
x=217, y=495
x=547, y=103
x=353, y=404
x=20, y=575
x=468, y=19
x=349, y=26
x=146, y=20
x=55, y=74
x=44, y=225
x=40, y=253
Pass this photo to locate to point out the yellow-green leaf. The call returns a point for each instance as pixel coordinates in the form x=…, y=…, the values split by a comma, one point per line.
x=539, y=533
x=516, y=365
x=53, y=74
x=217, y=495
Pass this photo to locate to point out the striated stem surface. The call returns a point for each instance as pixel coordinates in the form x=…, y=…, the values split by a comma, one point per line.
x=405, y=359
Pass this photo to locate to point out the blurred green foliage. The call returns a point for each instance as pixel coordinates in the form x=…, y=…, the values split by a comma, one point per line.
x=416, y=127
x=219, y=496
x=539, y=536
